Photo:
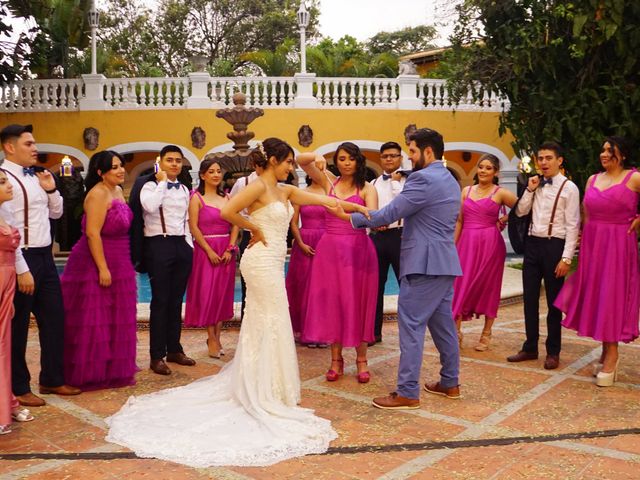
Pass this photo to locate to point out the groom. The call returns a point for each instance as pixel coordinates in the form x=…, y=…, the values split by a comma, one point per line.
x=429, y=205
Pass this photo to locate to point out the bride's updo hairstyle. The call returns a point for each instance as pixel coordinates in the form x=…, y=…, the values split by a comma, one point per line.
x=271, y=147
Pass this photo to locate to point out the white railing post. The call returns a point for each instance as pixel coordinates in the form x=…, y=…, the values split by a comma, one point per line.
x=199, y=97
x=304, y=91
x=93, y=98
x=408, y=99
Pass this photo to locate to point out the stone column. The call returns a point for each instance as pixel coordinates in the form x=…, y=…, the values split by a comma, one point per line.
x=93, y=98
x=408, y=99
x=304, y=91
x=199, y=98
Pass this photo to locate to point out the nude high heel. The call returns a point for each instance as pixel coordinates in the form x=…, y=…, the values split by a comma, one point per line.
x=483, y=343
x=597, y=366
x=607, y=379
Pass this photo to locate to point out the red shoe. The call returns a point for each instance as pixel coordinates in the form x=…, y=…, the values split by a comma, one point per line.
x=363, y=377
x=331, y=374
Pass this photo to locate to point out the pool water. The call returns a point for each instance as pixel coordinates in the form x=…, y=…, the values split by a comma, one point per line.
x=144, y=288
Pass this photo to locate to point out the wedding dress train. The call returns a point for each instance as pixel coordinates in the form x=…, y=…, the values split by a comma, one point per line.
x=247, y=414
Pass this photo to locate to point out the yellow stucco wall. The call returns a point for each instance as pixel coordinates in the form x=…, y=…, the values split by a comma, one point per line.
x=329, y=126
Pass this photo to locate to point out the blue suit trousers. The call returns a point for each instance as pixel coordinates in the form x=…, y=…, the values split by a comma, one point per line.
x=425, y=301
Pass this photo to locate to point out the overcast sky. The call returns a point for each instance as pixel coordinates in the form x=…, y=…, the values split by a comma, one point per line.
x=364, y=18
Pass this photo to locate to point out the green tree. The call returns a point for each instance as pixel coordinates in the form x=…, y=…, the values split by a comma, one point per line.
x=402, y=42
x=349, y=58
x=280, y=62
x=14, y=49
x=570, y=70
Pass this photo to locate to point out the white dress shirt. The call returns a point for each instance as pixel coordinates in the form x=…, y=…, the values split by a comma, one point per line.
x=240, y=185
x=175, y=209
x=42, y=206
x=566, y=224
x=387, y=191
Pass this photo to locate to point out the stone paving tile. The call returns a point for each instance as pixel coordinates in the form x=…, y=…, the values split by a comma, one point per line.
x=575, y=406
x=492, y=389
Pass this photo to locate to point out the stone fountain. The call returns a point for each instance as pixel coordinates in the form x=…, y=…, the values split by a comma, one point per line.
x=240, y=116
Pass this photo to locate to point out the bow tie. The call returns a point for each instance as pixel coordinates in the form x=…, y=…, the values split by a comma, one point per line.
x=402, y=173
x=546, y=181
x=171, y=185
x=29, y=171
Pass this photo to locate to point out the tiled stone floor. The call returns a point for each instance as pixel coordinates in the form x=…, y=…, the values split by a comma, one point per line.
x=555, y=412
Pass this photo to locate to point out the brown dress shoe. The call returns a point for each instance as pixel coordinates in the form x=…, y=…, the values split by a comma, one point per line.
x=522, y=356
x=551, y=362
x=181, y=359
x=435, y=388
x=30, y=400
x=159, y=367
x=393, y=401
x=61, y=390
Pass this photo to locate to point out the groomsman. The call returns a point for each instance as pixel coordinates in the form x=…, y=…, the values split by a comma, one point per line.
x=387, y=238
x=554, y=204
x=168, y=256
x=36, y=200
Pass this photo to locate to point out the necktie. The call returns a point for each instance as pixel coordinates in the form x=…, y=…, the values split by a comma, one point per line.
x=28, y=171
x=171, y=185
x=546, y=181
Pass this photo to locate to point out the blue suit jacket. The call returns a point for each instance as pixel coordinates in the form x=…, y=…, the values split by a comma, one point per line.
x=429, y=204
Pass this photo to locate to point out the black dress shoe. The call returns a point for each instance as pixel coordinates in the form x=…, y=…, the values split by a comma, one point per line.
x=181, y=359
x=159, y=367
x=522, y=356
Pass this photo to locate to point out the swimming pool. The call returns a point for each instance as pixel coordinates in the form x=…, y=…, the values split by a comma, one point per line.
x=144, y=288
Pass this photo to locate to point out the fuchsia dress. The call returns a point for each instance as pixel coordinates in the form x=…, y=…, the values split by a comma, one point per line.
x=482, y=252
x=343, y=287
x=100, y=322
x=602, y=298
x=210, y=287
x=312, y=229
x=9, y=241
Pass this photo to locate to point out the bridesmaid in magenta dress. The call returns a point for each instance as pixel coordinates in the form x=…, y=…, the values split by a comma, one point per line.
x=306, y=239
x=9, y=241
x=344, y=275
x=602, y=298
x=212, y=280
x=481, y=249
x=99, y=285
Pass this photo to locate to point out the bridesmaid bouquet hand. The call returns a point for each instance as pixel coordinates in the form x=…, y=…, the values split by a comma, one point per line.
x=214, y=258
x=256, y=236
x=226, y=257
x=306, y=249
x=104, y=278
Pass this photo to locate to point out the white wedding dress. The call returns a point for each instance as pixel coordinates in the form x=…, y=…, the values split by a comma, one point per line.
x=247, y=414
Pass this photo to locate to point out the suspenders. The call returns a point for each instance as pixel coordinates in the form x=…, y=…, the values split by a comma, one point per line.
x=26, y=209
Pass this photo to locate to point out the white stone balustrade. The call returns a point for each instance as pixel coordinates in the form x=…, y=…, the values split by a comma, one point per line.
x=199, y=90
x=41, y=95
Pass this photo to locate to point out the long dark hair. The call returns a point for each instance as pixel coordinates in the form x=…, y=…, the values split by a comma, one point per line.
x=204, y=166
x=102, y=161
x=624, y=147
x=360, y=177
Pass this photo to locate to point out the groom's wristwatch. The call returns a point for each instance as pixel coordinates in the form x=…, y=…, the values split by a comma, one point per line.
x=566, y=260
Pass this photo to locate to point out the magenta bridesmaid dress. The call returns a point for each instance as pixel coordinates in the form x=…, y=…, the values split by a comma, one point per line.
x=602, y=298
x=100, y=322
x=343, y=287
x=9, y=241
x=482, y=252
x=210, y=288
x=297, y=282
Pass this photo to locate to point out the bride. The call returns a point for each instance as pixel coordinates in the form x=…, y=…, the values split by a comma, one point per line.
x=247, y=414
